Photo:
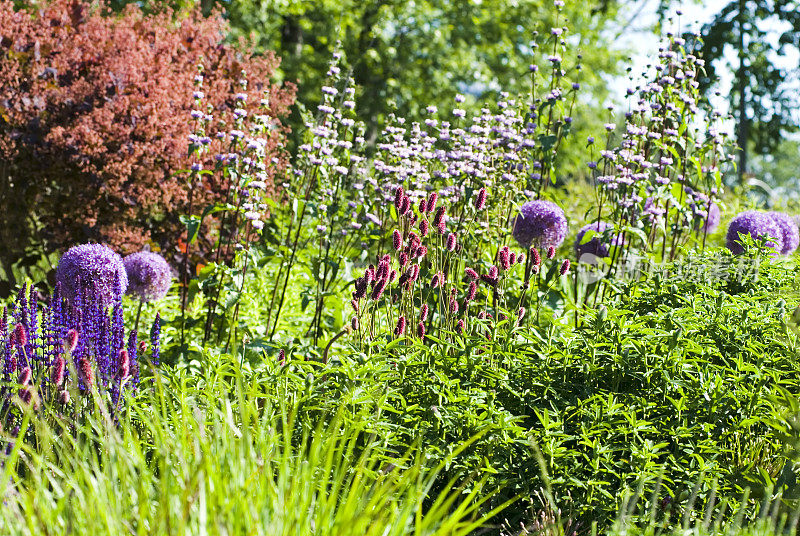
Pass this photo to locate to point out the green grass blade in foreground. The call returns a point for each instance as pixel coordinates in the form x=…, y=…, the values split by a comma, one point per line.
x=215, y=455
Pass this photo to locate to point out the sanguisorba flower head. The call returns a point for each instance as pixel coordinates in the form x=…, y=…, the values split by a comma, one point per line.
x=758, y=225
x=541, y=223
x=789, y=231
x=597, y=244
x=149, y=275
x=94, y=267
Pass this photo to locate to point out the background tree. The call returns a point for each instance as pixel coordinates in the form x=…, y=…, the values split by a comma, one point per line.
x=764, y=96
x=95, y=124
x=410, y=54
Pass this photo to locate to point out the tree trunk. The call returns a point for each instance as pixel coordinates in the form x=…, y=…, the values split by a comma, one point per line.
x=741, y=76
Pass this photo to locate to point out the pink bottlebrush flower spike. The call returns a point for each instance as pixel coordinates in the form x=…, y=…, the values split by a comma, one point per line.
x=398, y=197
x=401, y=326
x=472, y=291
x=432, y=202
x=71, y=341
x=25, y=376
x=480, y=200
x=19, y=337
x=453, y=306
x=57, y=371
x=123, y=364
x=405, y=205
x=86, y=372
x=535, y=257
x=423, y=227
x=451, y=242
x=440, y=220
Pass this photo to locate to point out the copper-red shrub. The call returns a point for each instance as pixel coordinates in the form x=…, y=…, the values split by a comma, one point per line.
x=95, y=118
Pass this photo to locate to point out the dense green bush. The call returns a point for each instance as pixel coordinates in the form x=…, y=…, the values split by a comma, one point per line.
x=670, y=387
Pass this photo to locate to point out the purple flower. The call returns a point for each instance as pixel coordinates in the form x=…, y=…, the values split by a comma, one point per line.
x=155, y=340
x=597, y=244
x=758, y=225
x=149, y=275
x=711, y=221
x=789, y=231
x=540, y=222
x=92, y=267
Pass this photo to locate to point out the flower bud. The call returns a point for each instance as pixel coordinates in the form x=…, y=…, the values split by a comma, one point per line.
x=564, y=267
x=432, y=202
x=480, y=200
x=423, y=227
x=453, y=306
x=535, y=257
x=19, y=337
x=551, y=252
x=472, y=291
x=451, y=242
x=438, y=219
x=423, y=312
x=85, y=371
x=397, y=240
x=25, y=376
x=398, y=197
x=123, y=364
x=405, y=205
x=71, y=341
x=57, y=371
x=401, y=326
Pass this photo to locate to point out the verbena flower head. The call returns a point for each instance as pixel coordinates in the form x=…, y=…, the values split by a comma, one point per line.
x=789, y=231
x=149, y=275
x=758, y=225
x=597, y=244
x=95, y=268
x=541, y=223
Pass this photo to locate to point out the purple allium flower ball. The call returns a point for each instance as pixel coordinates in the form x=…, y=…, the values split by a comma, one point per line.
x=94, y=266
x=789, y=231
x=149, y=275
x=758, y=225
x=540, y=222
x=712, y=221
x=597, y=245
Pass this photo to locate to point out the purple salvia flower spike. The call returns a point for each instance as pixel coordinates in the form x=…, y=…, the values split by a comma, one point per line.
x=155, y=337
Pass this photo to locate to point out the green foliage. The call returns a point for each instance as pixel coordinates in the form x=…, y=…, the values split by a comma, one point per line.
x=670, y=388
x=219, y=451
x=474, y=48
x=764, y=101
